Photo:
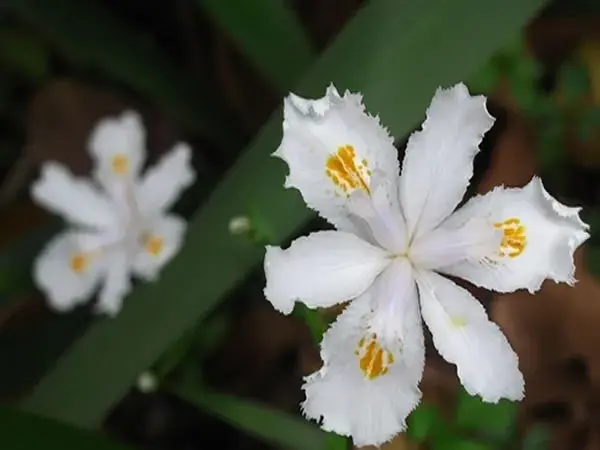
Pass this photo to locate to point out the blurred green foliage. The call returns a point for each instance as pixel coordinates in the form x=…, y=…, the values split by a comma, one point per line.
x=23, y=54
x=268, y=33
x=275, y=427
x=314, y=319
x=538, y=438
x=22, y=431
x=474, y=425
x=91, y=36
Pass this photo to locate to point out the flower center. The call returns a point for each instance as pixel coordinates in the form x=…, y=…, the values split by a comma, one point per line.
x=347, y=172
x=79, y=263
x=514, y=239
x=154, y=244
x=120, y=164
x=374, y=361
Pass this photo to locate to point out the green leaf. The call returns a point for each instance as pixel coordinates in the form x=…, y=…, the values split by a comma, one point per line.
x=261, y=232
x=194, y=345
x=514, y=49
x=551, y=140
x=423, y=422
x=391, y=52
x=496, y=420
x=538, y=438
x=523, y=73
x=335, y=442
x=574, y=81
x=544, y=108
x=174, y=355
x=268, y=33
x=313, y=318
x=526, y=68
x=485, y=79
x=27, y=352
x=276, y=427
x=90, y=35
x=22, y=431
x=589, y=122
x=460, y=443
x=16, y=259
x=211, y=334
x=524, y=92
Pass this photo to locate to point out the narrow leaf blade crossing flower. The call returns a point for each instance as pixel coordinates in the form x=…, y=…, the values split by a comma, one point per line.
x=397, y=236
x=119, y=231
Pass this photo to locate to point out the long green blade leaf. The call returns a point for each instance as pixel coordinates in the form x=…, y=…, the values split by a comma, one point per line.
x=277, y=428
x=22, y=431
x=268, y=33
x=396, y=52
x=88, y=34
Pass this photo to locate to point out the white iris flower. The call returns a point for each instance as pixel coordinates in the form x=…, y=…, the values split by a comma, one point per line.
x=121, y=225
x=397, y=237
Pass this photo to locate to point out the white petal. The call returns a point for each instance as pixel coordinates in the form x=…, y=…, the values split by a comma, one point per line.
x=485, y=362
x=66, y=274
x=445, y=246
x=117, y=147
x=548, y=234
x=377, y=216
x=438, y=163
x=396, y=314
x=333, y=147
x=75, y=199
x=117, y=283
x=315, y=107
x=162, y=240
x=97, y=242
x=321, y=270
x=371, y=403
x=162, y=184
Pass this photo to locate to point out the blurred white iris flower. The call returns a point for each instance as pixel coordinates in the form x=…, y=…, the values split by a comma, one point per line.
x=120, y=220
x=398, y=236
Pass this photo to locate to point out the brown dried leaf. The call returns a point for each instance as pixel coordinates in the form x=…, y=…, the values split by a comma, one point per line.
x=556, y=334
x=552, y=39
x=553, y=328
x=60, y=119
x=512, y=163
x=18, y=219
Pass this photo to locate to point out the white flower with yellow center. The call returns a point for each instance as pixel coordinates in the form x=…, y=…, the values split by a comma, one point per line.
x=120, y=222
x=397, y=236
